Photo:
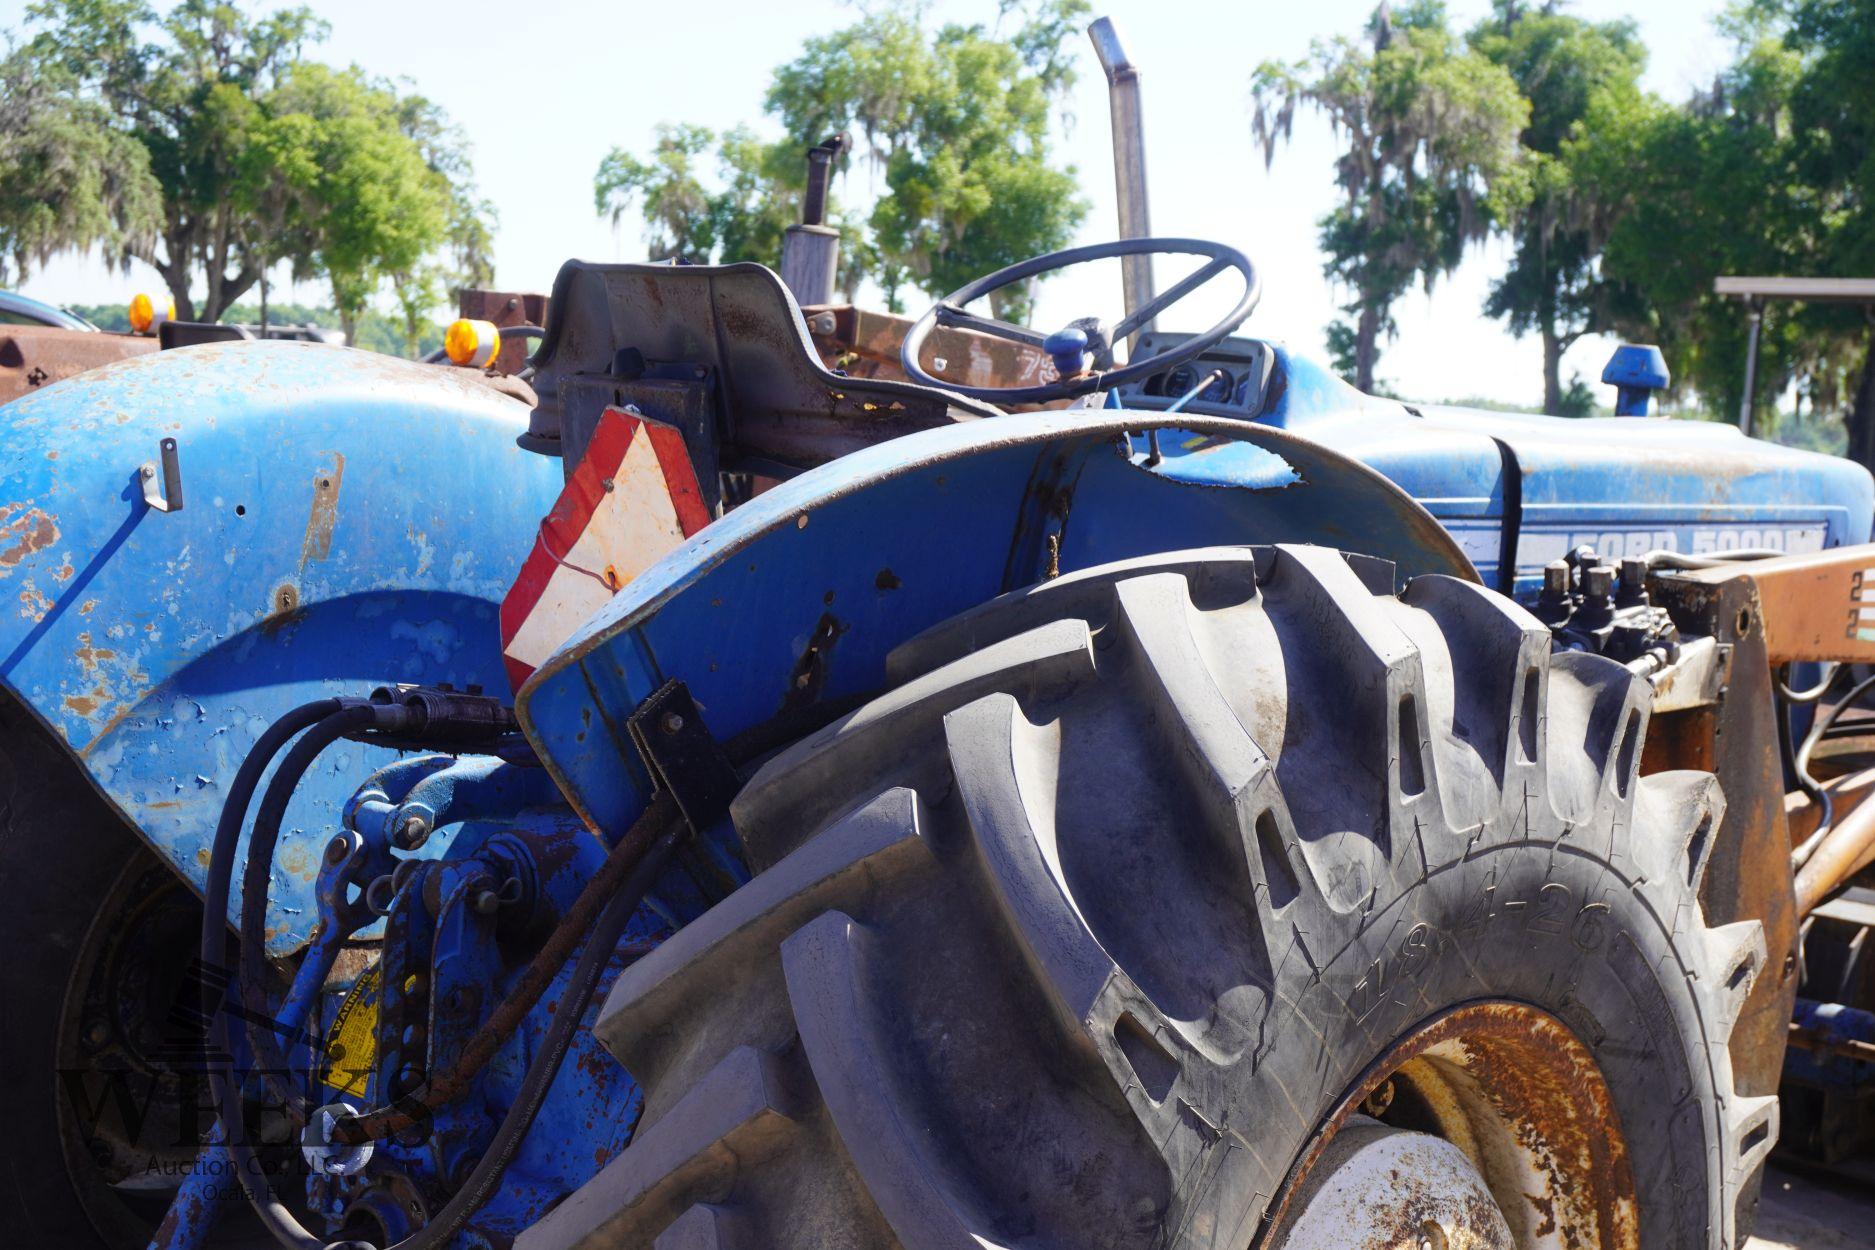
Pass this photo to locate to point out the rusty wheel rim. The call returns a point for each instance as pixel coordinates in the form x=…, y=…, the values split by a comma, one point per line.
x=1502, y=1087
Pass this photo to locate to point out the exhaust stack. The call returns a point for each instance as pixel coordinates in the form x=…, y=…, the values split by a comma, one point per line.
x=1129, y=158
x=810, y=252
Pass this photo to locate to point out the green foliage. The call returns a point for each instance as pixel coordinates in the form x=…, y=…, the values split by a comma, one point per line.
x=182, y=87
x=351, y=190
x=1431, y=158
x=232, y=152
x=68, y=180
x=956, y=119
x=1769, y=172
x=112, y=317
x=753, y=193
x=1563, y=65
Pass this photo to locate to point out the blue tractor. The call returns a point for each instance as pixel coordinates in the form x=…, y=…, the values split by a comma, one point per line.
x=697, y=797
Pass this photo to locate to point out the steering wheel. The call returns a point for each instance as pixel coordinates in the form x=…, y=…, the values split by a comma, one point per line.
x=1083, y=351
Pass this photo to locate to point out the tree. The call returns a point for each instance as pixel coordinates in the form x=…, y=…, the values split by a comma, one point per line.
x=229, y=153
x=184, y=88
x=68, y=181
x=956, y=119
x=1833, y=117
x=1561, y=65
x=680, y=214
x=1768, y=172
x=1430, y=163
x=362, y=203
x=466, y=255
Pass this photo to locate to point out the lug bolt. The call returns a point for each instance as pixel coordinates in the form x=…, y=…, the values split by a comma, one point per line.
x=672, y=723
x=486, y=902
x=1598, y=581
x=414, y=833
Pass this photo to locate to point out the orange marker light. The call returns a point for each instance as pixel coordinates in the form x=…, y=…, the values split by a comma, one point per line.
x=471, y=343
x=146, y=314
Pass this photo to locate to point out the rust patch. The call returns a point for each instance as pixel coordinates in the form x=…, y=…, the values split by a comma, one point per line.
x=88, y=656
x=36, y=604
x=283, y=606
x=1545, y=1090
x=325, y=512
x=24, y=532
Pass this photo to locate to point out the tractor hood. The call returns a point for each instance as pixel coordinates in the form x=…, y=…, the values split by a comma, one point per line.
x=1517, y=491
x=1627, y=485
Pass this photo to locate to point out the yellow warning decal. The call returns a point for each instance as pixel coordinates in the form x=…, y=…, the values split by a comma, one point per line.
x=352, y=1041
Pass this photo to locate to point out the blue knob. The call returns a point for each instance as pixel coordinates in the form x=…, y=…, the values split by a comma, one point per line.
x=1068, y=349
x=1636, y=371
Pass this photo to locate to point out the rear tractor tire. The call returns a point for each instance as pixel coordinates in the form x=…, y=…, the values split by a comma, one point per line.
x=1141, y=883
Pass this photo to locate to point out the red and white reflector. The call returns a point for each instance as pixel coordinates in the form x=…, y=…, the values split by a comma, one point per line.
x=630, y=502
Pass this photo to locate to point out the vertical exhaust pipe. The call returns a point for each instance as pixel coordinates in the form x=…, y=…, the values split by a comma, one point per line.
x=1129, y=158
x=810, y=252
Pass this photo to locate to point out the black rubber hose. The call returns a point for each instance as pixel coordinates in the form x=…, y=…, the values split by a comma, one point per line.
x=1814, y=693
x=280, y=1222
x=277, y=1219
x=1801, y=856
x=663, y=817
x=1797, y=765
x=257, y=875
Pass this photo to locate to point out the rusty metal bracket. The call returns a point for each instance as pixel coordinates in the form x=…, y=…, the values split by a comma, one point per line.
x=168, y=496
x=1735, y=738
x=1819, y=606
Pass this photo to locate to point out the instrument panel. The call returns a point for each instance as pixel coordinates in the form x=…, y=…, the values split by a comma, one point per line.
x=1242, y=364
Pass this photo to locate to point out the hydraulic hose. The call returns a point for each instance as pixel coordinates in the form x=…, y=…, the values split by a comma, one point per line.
x=1815, y=692
x=1798, y=765
x=258, y=871
x=1801, y=856
x=278, y=1221
x=599, y=916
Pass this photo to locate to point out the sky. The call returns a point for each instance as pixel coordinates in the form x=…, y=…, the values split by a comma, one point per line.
x=546, y=89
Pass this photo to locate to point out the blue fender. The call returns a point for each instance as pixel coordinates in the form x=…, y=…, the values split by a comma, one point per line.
x=348, y=520
x=791, y=602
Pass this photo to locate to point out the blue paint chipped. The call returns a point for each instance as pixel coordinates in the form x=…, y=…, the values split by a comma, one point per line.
x=153, y=663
